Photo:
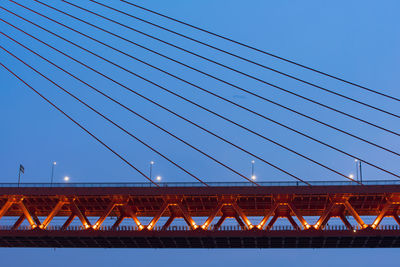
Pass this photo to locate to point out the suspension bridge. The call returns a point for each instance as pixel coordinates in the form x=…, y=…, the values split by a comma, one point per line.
x=142, y=214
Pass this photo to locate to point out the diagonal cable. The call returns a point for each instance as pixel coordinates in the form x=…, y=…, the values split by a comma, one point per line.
x=202, y=72
x=103, y=116
x=120, y=104
x=221, y=50
x=221, y=80
x=172, y=112
x=270, y=140
x=220, y=116
x=80, y=125
x=380, y=168
x=258, y=50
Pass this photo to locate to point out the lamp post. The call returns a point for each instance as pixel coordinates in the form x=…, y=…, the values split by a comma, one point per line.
x=52, y=172
x=359, y=169
x=151, y=169
x=21, y=170
x=252, y=170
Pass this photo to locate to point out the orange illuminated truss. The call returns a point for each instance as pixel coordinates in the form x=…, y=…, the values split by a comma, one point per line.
x=102, y=210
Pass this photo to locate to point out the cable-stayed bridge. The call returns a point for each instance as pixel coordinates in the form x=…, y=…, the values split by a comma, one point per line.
x=189, y=214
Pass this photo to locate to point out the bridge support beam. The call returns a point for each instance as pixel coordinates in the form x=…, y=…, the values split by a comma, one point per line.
x=355, y=215
x=293, y=222
x=381, y=215
x=345, y=221
x=241, y=215
x=396, y=218
x=32, y=219
x=267, y=216
x=272, y=222
x=6, y=206
x=53, y=213
x=298, y=215
x=220, y=222
x=18, y=223
x=105, y=215
x=322, y=221
x=68, y=221
x=158, y=216
x=85, y=222
x=213, y=214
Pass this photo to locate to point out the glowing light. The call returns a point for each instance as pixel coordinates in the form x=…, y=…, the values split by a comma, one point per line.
x=351, y=176
x=158, y=178
x=354, y=230
x=253, y=161
x=259, y=226
x=356, y=160
x=151, y=162
x=54, y=163
x=66, y=178
x=253, y=177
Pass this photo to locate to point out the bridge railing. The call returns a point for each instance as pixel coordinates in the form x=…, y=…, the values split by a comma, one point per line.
x=186, y=228
x=195, y=184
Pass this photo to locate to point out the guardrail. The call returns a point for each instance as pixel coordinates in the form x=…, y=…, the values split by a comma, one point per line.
x=195, y=184
x=187, y=228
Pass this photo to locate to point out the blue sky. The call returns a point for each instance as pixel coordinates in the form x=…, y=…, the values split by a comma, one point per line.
x=356, y=40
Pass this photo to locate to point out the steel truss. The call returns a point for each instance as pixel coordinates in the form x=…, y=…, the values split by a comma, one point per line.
x=94, y=206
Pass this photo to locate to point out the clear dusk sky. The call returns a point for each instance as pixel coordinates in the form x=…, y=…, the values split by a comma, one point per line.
x=355, y=40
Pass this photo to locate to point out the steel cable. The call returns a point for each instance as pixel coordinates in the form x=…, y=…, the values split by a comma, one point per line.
x=259, y=50
x=78, y=124
x=202, y=72
x=189, y=100
x=168, y=110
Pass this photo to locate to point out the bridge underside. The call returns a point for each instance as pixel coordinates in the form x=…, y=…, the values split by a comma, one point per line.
x=202, y=239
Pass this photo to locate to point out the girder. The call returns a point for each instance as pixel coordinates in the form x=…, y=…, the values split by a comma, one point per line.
x=255, y=211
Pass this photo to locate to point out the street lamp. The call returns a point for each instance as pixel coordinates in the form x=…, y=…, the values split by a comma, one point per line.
x=52, y=171
x=358, y=169
x=158, y=178
x=252, y=170
x=151, y=169
x=21, y=170
x=66, y=178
